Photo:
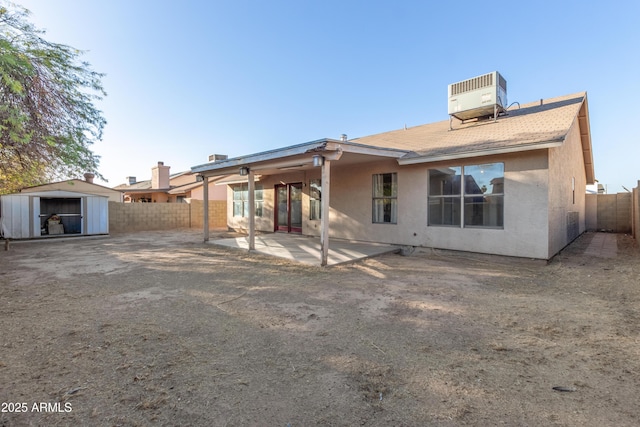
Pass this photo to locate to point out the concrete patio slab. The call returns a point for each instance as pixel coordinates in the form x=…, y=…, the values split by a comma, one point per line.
x=603, y=245
x=306, y=250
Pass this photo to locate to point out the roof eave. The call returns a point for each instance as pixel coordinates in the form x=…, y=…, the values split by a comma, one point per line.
x=585, y=139
x=481, y=153
x=230, y=166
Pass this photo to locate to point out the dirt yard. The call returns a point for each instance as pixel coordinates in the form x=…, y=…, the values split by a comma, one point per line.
x=160, y=329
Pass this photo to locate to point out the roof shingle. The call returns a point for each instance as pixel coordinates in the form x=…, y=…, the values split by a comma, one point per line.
x=535, y=123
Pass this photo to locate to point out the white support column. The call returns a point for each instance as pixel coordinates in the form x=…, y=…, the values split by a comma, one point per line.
x=205, y=197
x=252, y=211
x=324, y=209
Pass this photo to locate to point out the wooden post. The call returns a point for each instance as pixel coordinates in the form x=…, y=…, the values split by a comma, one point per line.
x=205, y=196
x=324, y=212
x=252, y=211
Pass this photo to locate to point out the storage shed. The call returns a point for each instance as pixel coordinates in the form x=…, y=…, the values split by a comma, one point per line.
x=53, y=213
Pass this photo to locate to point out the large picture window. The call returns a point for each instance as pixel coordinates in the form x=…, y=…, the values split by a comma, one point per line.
x=385, y=198
x=241, y=200
x=467, y=196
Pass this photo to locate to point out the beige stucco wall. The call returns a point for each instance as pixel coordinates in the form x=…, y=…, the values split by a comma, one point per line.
x=525, y=230
x=78, y=186
x=216, y=192
x=566, y=162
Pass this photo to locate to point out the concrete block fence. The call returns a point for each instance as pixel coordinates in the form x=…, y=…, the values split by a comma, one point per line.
x=124, y=217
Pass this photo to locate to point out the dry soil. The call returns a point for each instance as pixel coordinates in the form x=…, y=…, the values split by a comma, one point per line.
x=159, y=329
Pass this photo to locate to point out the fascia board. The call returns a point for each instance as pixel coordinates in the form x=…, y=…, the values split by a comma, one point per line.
x=349, y=147
x=226, y=166
x=480, y=153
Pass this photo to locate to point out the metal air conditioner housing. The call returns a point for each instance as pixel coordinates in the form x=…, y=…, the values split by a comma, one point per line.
x=481, y=96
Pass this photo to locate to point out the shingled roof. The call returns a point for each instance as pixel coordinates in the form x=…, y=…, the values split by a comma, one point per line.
x=540, y=124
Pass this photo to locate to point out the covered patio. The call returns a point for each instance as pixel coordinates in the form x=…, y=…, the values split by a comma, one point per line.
x=306, y=249
x=302, y=159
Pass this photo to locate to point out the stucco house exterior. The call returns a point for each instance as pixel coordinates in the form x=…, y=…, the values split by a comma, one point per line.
x=513, y=184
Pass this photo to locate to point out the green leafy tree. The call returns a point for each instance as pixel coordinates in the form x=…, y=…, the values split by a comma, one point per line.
x=48, y=120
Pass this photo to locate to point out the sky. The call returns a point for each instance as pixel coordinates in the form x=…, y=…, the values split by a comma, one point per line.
x=188, y=79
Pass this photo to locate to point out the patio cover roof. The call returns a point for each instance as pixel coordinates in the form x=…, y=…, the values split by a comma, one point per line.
x=298, y=157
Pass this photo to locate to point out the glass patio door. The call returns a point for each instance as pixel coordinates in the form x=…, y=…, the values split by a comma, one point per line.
x=289, y=207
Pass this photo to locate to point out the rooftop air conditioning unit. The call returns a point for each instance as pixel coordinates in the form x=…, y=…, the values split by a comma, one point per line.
x=217, y=157
x=481, y=96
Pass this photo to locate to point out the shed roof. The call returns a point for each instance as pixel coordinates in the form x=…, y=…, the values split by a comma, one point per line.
x=56, y=194
x=70, y=182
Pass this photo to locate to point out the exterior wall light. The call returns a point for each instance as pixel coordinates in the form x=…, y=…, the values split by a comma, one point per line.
x=199, y=178
x=318, y=160
x=244, y=171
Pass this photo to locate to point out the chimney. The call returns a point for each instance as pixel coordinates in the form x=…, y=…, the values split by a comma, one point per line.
x=160, y=176
x=343, y=137
x=131, y=180
x=89, y=177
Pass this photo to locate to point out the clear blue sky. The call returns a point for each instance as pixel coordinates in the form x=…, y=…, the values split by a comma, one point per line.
x=193, y=78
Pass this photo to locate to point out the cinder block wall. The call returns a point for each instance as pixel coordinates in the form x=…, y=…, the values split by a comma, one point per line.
x=217, y=214
x=609, y=212
x=125, y=217
x=148, y=216
x=591, y=212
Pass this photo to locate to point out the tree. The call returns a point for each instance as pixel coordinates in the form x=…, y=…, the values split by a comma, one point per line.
x=48, y=119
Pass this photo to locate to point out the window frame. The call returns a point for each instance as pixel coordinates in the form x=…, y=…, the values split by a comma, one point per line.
x=462, y=198
x=315, y=203
x=392, y=199
x=242, y=189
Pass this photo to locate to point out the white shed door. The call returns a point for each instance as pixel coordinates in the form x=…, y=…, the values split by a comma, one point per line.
x=15, y=217
x=97, y=217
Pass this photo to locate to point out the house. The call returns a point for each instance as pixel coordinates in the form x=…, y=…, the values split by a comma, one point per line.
x=164, y=187
x=507, y=181
x=79, y=186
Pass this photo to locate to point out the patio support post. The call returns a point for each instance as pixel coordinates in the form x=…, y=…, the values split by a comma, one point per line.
x=324, y=209
x=252, y=211
x=205, y=197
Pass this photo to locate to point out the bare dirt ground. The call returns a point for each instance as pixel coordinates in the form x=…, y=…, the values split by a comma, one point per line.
x=160, y=329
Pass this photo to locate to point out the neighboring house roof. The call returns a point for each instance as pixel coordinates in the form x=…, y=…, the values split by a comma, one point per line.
x=180, y=184
x=180, y=189
x=146, y=185
x=538, y=125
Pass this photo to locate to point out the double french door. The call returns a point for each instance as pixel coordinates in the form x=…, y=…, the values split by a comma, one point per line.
x=289, y=208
